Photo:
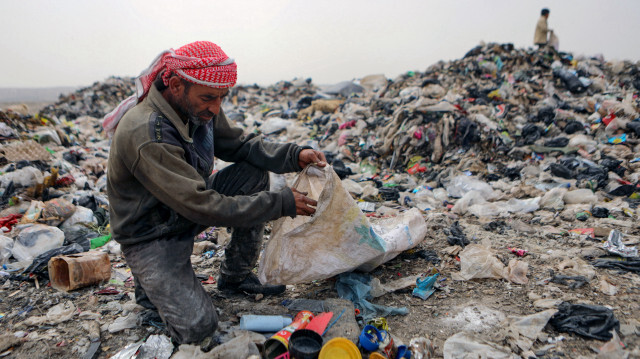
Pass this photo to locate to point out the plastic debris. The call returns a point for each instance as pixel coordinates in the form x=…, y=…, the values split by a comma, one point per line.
x=356, y=288
x=614, y=245
x=424, y=287
x=589, y=321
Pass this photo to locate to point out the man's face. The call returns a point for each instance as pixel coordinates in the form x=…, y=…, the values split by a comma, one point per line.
x=201, y=103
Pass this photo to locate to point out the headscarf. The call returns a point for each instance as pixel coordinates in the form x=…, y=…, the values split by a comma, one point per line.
x=201, y=62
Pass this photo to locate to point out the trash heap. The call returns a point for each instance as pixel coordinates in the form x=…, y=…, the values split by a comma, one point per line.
x=525, y=165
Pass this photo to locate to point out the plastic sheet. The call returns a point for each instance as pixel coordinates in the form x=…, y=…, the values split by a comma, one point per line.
x=467, y=345
x=478, y=262
x=156, y=347
x=469, y=199
x=56, y=314
x=629, y=264
x=356, y=287
x=40, y=263
x=513, y=205
x=589, y=321
x=242, y=345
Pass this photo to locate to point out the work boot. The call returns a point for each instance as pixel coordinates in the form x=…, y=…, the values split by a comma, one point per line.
x=251, y=284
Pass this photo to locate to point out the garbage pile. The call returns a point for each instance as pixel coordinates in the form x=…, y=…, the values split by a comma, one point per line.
x=524, y=164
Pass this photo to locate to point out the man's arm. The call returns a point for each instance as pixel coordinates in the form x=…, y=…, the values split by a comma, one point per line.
x=162, y=170
x=232, y=145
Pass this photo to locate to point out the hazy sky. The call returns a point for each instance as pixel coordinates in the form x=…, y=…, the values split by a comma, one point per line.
x=78, y=42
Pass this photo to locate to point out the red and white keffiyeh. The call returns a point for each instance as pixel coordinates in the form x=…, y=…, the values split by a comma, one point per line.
x=201, y=62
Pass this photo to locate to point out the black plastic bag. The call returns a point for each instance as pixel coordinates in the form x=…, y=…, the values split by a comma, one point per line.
x=589, y=321
x=456, y=236
x=79, y=234
x=531, y=133
x=573, y=127
x=598, y=174
x=613, y=166
x=546, y=115
x=557, y=142
x=634, y=126
x=466, y=132
x=40, y=264
x=626, y=264
x=600, y=212
x=625, y=190
x=559, y=170
x=389, y=193
x=570, y=81
x=512, y=173
x=341, y=170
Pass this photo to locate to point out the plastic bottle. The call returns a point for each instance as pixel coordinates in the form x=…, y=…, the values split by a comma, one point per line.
x=264, y=323
x=100, y=241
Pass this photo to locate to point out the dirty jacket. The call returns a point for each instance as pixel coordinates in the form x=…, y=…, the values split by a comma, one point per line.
x=540, y=36
x=158, y=169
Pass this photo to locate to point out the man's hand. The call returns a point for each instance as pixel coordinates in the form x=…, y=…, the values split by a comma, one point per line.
x=311, y=157
x=303, y=203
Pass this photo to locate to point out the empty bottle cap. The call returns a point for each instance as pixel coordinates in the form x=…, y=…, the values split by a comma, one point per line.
x=340, y=348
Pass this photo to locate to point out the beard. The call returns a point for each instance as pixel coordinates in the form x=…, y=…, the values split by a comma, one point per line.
x=188, y=109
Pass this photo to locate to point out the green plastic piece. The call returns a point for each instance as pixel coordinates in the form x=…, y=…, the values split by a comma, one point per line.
x=100, y=241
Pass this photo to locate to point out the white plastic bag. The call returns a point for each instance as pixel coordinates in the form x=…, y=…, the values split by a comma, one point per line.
x=6, y=245
x=337, y=238
x=274, y=124
x=460, y=185
x=35, y=240
x=479, y=262
x=82, y=215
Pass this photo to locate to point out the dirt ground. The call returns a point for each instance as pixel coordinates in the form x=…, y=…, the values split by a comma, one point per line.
x=478, y=306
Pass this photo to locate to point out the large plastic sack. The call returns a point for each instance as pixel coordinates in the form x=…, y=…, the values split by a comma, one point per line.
x=399, y=234
x=337, y=238
x=35, y=240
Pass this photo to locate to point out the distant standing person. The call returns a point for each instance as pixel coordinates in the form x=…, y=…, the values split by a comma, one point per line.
x=540, y=36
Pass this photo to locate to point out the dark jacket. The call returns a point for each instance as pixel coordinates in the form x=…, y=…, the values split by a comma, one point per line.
x=159, y=166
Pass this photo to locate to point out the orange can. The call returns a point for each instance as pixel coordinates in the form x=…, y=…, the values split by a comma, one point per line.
x=278, y=344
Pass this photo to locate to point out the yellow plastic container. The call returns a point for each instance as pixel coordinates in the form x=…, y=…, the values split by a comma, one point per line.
x=375, y=355
x=340, y=348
